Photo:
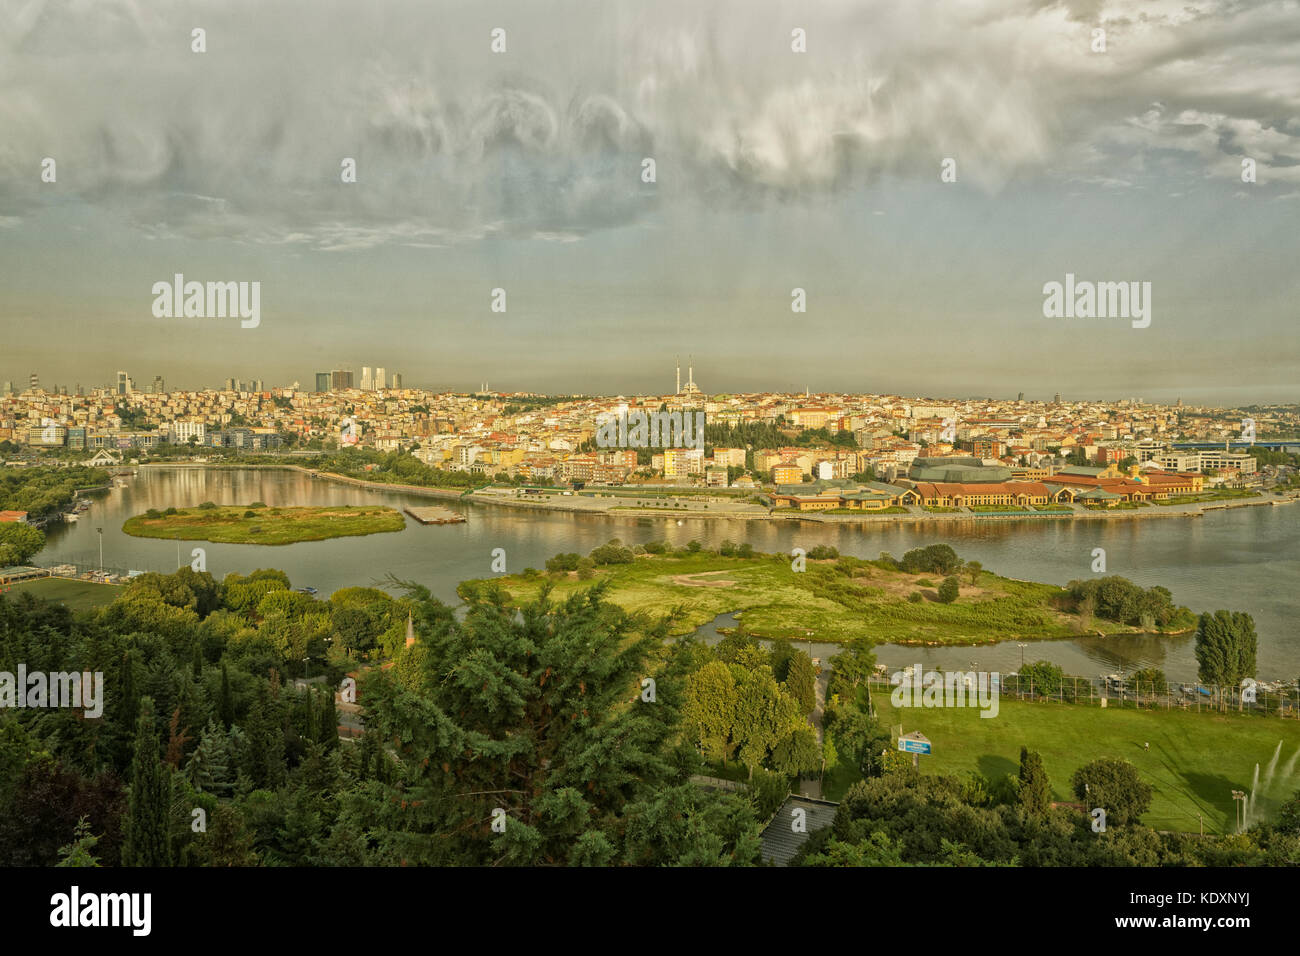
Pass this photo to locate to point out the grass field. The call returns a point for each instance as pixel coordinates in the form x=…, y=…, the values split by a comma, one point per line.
x=775, y=601
x=77, y=595
x=238, y=524
x=1194, y=762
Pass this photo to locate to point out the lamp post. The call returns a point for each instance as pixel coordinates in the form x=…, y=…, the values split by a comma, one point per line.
x=1022, y=647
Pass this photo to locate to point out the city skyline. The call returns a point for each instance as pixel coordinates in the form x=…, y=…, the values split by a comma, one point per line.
x=312, y=383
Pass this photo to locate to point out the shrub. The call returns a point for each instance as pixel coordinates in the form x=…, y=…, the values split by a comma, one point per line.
x=153, y=513
x=915, y=597
x=262, y=504
x=938, y=558
x=206, y=506
x=1113, y=785
x=925, y=583
x=823, y=552
x=171, y=511
x=610, y=554
x=563, y=562
x=250, y=514
x=949, y=590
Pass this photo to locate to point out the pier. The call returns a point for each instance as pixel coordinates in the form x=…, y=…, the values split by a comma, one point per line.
x=435, y=515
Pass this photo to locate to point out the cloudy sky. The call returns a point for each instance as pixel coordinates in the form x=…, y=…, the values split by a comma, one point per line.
x=775, y=170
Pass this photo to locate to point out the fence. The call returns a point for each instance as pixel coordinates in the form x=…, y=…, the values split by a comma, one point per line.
x=1270, y=700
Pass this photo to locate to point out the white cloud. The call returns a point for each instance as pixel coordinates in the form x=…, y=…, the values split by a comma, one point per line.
x=454, y=143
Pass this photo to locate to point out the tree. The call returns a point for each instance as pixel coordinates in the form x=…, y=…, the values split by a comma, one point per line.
x=1225, y=647
x=80, y=852
x=328, y=723
x=973, y=568
x=801, y=682
x=1113, y=785
x=225, y=702
x=209, y=768
x=18, y=542
x=536, y=711
x=850, y=669
x=949, y=590
x=765, y=715
x=782, y=653
x=146, y=838
x=1153, y=679
x=1042, y=678
x=1034, y=793
x=709, y=711
x=798, y=753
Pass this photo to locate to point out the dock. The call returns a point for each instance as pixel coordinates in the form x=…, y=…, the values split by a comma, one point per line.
x=435, y=515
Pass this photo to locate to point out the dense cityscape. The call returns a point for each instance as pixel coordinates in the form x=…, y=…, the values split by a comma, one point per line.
x=537, y=438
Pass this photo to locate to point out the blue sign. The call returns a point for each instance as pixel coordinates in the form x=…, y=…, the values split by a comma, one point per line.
x=910, y=746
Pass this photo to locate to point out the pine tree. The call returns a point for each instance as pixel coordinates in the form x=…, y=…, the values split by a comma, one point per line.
x=227, y=843
x=209, y=767
x=146, y=832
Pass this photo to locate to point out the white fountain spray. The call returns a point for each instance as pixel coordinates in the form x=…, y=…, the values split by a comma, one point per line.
x=1256, y=787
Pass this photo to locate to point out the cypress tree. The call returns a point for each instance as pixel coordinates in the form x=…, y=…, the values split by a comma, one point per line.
x=329, y=723
x=226, y=702
x=146, y=836
x=1035, y=791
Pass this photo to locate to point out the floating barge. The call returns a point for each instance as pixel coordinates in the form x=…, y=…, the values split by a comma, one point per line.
x=435, y=515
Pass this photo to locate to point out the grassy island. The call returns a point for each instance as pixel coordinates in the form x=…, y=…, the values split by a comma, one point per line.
x=258, y=524
x=834, y=598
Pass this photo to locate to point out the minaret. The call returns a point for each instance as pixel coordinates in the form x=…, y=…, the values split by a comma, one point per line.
x=679, y=376
x=690, y=373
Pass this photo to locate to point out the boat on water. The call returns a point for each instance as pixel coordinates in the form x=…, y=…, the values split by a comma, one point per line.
x=70, y=516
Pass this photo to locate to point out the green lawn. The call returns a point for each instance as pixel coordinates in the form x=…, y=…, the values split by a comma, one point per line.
x=778, y=602
x=1194, y=762
x=238, y=524
x=78, y=595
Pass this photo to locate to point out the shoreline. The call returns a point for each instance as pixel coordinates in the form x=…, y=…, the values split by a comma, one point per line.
x=613, y=510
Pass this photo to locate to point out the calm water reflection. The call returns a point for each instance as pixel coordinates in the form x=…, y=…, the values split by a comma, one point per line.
x=1245, y=559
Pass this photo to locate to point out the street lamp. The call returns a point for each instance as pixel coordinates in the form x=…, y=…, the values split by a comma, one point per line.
x=1022, y=653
